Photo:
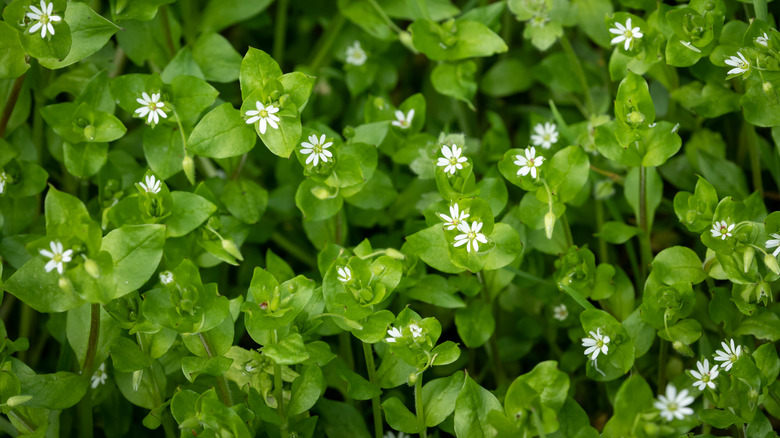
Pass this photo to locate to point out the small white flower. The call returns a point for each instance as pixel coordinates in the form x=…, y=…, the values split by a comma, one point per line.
x=451, y=161
x=728, y=355
x=166, y=277
x=470, y=236
x=58, y=257
x=705, y=376
x=690, y=45
x=763, y=40
x=266, y=115
x=545, y=135
x=625, y=34
x=356, y=55
x=345, y=274
x=774, y=243
x=596, y=343
x=394, y=333
x=674, y=405
x=44, y=18
x=316, y=149
x=455, y=218
x=3, y=181
x=722, y=229
x=403, y=121
x=100, y=376
x=560, y=312
x=740, y=64
x=529, y=163
x=390, y=434
x=152, y=185
x=416, y=330
x=151, y=108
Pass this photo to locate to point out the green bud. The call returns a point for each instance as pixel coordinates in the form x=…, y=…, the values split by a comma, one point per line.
x=769, y=90
x=348, y=132
x=353, y=324
x=229, y=246
x=276, y=300
x=635, y=118
x=747, y=258
x=320, y=192
x=394, y=253
x=771, y=263
x=366, y=295
x=91, y=267
x=549, y=224
x=188, y=164
x=138, y=375
x=66, y=285
x=18, y=400
x=406, y=40
x=214, y=223
x=412, y=378
x=682, y=349
x=89, y=132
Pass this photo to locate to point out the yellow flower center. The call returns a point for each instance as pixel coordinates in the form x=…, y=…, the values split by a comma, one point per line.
x=264, y=114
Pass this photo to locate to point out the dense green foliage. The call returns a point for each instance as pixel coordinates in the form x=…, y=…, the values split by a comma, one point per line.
x=357, y=218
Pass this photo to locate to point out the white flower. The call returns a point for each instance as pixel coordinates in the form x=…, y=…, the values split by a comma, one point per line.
x=560, y=312
x=763, y=40
x=546, y=135
x=705, y=376
x=316, y=149
x=596, y=343
x=741, y=65
x=394, y=333
x=416, y=330
x=455, y=218
x=625, y=33
x=345, y=274
x=772, y=243
x=722, y=229
x=266, y=115
x=58, y=257
x=152, y=185
x=44, y=18
x=401, y=121
x=100, y=376
x=689, y=45
x=470, y=236
x=674, y=405
x=451, y=159
x=728, y=355
x=390, y=434
x=166, y=277
x=356, y=55
x=529, y=163
x=3, y=180
x=152, y=107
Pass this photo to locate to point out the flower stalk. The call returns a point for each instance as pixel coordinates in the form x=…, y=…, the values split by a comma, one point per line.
x=222, y=383
x=375, y=406
x=418, y=404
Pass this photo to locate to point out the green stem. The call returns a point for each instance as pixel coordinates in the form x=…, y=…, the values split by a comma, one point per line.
x=326, y=42
x=27, y=424
x=538, y=423
x=498, y=367
x=761, y=10
x=279, y=395
x=706, y=428
x=603, y=251
x=222, y=383
x=375, y=407
x=567, y=230
x=384, y=16
x=645, y=251
x=418, y=404
x=630, y=250
x=345, y=349
x=294, y=250
x=280, y=26
x=750, y=137
x=8, y=109
x=26, y=323
x=7, y=427
x=581, y=300
x=662, y=358
x=576, y=66
x=85, y=405
x=166, y=26
x=528, y=276
x=167, y=419
x=463, y=117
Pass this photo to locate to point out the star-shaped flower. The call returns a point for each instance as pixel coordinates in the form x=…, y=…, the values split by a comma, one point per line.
x=455, y=218
x=345, y=274
x=728, y=355
x=43, y=18
x=356, y=55
x=403, y=121
x=674, y=405
x=596, y=343
x=625, y=34
x=316, y=149
x=166, y=277
x=530, y=163
x=58, y=257
x=560, y=312
x=545, y=135
x=451, y=161
x=471, y=236
x=416, y=330
x=100, y=376
x=151, y=185
x=265, y=115
x=395, y=333
x=740, y=64
x=763, y=40
x=705, y=376
x=774, y=243
x=151, y=108
x=722, y=229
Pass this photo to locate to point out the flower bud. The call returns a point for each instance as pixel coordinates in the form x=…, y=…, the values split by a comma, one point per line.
x=91, y=267
x=412, y=378
x=229, y=246
x=138, y=375
x=635, y=118
x=66, y=285
x=747, y=258
x=771, y=263
x=682, y=349
x=320, y=192
x=549, y=224
x=406, y=40
x=89, y=132
x=188, y=164
x=18, y=400
x=394, y=253
x=769, y=90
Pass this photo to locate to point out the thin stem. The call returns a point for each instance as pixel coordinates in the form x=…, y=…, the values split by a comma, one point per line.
x=581, y=300
x=375, y=407
x=576, y=66
x=418, y=404
x=85, y=406
x=611, y=175
x=167, y=422
x=567, y=230
x=630, y=250
x=166, y=26
x=384, y=16
x=761, y=10
x=538, y=423
x=345, y=349
x=294, y=250
x=528, y=276
x=279, y=395
x=26, y=323
x=222, y=383
x=662, y=357
x=645, y=250
x=749, y=137
x=27, y=424
x=322, y=49
x=280, y=26
x=603, y=251
x=498, y=367
x=463, y=117
x=9, y=105
x=237, y=172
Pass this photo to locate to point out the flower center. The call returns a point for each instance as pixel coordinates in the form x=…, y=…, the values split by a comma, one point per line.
x=264, y=114
x=723, y=230
x=453, y=160
x=629, y=34
x=317, y=149
x=472, y=235
x=44, y=19
x=153, y=106
x=705, y=378
x=744, y=65
x=531, y=162
x=733, y=358
x=57, y=257
x=599, y=344
x=635, y=118
x=672, y=406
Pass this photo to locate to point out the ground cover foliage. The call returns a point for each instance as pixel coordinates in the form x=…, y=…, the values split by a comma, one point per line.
x=383, y=218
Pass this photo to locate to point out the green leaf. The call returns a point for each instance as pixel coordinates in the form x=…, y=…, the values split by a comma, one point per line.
x=454, y=41
x=191, y=95
x=84, y=159
x=257, y=68
x=12, y=61
x=765, y=325
x=431, y=246
x=289, y=351
x=472, y=407
x=439, y=398
x=54, y=46
x=89, y=32
x=718, y=418
x=189, y=211
x=678, y=264
x=306, y=389
x=40, y=289
x=216, y=57
x=633, y=397
x=317, y=201
x=222, y=133
x=163, y=150
x=136, y=251
x=617, y=232
x=142, y=10
x=363, y=15
x=220, y=14
x=505, y=78
x=56, y=391
x=399, y=417
x=245, y=200
x=127, y=357
x=456, y=80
